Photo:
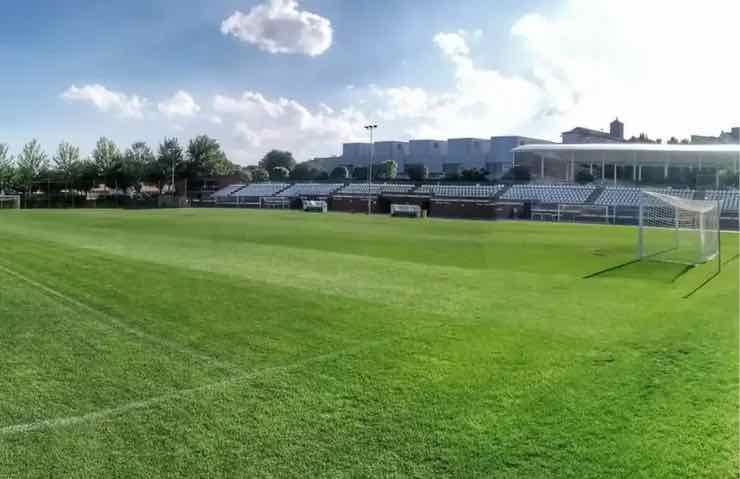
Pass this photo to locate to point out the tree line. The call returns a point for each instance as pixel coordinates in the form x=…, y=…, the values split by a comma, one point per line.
x=108, y=165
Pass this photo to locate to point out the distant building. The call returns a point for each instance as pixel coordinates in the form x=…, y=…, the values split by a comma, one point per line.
x=431, y=153
x=356, y=154
x=397, y=151
x=500, y=157
x=466, y=153
x=616, y=129
x=725, y=137
x=580, y=134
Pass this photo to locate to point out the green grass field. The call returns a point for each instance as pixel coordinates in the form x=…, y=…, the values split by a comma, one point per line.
x=225, y=343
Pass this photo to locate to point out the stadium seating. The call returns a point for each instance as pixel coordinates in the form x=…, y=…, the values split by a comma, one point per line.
x=729, y=199
x=376, y=188
x=460, y=191
x=630, y=196
x=560, y=194
x=227, y=191
x=258, y=190
x=311, y=189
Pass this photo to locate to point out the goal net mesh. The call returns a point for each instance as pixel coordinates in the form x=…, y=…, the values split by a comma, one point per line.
x=408, y=211
x=678, y=230
x=10, y=202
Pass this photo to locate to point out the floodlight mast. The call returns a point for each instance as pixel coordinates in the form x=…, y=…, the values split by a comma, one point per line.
x=370, y=128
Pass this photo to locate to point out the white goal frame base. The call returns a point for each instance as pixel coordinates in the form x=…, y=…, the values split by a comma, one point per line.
x=678, y=230
x=572, y=212
x=13, y=200
x=406, y=211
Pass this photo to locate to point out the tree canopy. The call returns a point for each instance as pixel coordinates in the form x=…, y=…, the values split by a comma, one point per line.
x=277, y=158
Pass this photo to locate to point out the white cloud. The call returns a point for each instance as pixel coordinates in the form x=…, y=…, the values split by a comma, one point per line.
x=668, y=70
x=260, y=123
x=278, y=26
x=482, y=101
x=126, y=106
x=181, y=105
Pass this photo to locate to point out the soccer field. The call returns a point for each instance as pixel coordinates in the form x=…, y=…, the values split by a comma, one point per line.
x=234, y=343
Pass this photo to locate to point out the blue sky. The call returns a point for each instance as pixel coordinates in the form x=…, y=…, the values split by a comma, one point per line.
x=307, y=75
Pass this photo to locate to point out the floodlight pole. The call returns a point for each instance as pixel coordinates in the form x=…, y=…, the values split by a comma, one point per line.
x=370, y=128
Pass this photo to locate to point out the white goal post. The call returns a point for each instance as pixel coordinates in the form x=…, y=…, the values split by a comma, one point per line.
x=678, y=230
x=590, y=213
x=315, y=206
x=10, y=202
x=406, y=211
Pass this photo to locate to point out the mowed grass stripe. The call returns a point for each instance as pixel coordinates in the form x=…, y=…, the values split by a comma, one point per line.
x=510, y=371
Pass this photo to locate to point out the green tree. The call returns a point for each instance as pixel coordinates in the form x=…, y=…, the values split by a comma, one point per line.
x=583, y=177
x=107, y=159
x=279, y=173
x=136, y=164
x=417, y=172
x=260, y=175
x=66, y=162
x=518, y=173
x=359, y=173
x=303, y=171
x=339, y=173
x=170, y=158
x=205, y=158
x=7, y=169
x=245, y=175
x=277, y=158
x=31, y=164
x=386, y=170
x=86, y=177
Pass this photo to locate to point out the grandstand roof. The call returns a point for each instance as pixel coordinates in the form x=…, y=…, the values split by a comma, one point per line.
x=641, y=152
x=630, y=147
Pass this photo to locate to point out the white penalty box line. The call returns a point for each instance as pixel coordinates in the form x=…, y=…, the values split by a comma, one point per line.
x=68, y=421
x=112, y=322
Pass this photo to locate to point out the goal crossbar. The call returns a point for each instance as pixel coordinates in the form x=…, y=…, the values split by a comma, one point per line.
x=10, y=201
x=678, y=230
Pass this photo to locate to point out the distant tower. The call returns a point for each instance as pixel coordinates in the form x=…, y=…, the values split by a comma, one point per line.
x=616, y=129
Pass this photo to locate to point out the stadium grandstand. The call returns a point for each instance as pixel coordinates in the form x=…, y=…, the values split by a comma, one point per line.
x=615, y=200
x=460, y=191
x=298, y=190
x=567, y=194
x=729, y=199
x=376, y=188
x=631, y=196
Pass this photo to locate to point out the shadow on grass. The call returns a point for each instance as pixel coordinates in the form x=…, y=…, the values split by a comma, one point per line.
x=643, y=270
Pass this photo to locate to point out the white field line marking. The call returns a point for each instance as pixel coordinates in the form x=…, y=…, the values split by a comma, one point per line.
x=122, y=326
x=179, y=394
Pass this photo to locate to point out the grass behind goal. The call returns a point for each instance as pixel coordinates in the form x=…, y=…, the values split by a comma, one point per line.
x=231, y=343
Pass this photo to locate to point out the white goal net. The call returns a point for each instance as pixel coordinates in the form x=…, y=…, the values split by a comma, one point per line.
x=678, y=230
x=408, y=211
x=588, y=213
x=10, y=202
x=315, y=206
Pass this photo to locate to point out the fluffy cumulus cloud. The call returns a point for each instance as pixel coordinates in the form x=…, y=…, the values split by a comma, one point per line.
x=105, y=100
x=481, y=102
x=180, y=105
x=261, y=123
x=668, y=69
x=279, y=26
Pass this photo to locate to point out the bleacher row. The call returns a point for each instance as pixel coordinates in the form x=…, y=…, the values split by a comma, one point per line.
x=613, y=196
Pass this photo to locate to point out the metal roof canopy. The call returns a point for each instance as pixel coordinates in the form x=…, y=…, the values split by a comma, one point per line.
x=631, y=153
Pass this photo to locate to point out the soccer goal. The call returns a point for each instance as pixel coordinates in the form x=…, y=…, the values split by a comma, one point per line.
x=275, y=202
x=678, y=230
x=586, y=213
x=406, y=211
x=315, y=206
x=10, y=202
